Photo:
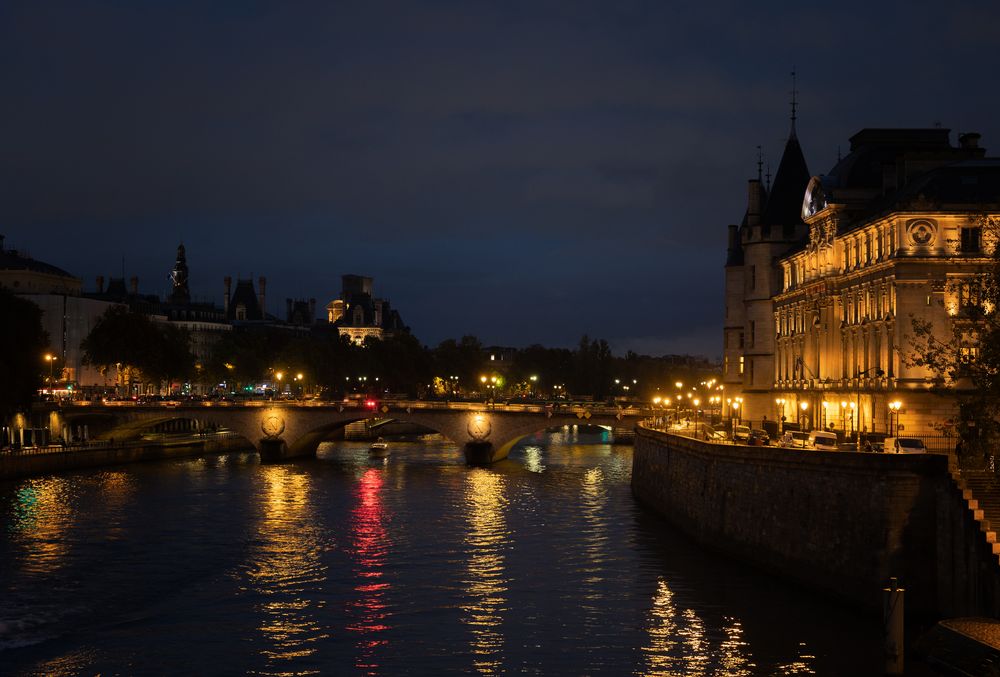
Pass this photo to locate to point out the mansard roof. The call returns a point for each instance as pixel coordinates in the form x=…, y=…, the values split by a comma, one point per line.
x=970, y=185
x=784, y=202
x=245, y=295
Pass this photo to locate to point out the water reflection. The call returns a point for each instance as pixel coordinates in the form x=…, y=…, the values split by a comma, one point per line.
x=801, y=666
x=286, y=571
x=485, y=504
x=41, y=524
x=679, y=644
x=371, y=545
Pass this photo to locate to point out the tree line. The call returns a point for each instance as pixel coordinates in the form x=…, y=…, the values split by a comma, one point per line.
x=138, y=349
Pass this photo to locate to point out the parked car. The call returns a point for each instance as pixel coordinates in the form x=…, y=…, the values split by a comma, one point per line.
x=822, y=440
x=759, y=438
x=904, y=445
x=741, y=433
x=794, y=438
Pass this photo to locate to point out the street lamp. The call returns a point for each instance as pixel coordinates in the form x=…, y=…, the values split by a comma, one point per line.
x=804, y=406
x=894, y=408
x=696, y=402
x=781, y=414
x=51, y=359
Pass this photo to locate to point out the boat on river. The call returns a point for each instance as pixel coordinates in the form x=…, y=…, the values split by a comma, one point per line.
x=379, y=449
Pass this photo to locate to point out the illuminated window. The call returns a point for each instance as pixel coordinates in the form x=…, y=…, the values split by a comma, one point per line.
x=741, y=365
x=968, y=296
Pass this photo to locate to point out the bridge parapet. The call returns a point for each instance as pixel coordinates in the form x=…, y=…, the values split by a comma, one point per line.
x=284, y=429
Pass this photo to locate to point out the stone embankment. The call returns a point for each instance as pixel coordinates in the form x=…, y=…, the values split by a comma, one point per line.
x=40, y=461
x=842, y=522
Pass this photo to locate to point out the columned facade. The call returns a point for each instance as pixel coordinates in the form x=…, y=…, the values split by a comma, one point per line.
x=894, y=235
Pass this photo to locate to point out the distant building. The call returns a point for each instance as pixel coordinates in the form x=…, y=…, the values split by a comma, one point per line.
x=244, y=304
x=299, y=313
x=819, y=299
x=204, y=321
x=67, y=317
x=357, y=314
x=22, y=274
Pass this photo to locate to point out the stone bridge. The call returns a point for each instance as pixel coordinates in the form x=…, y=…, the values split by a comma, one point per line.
x=281, y=430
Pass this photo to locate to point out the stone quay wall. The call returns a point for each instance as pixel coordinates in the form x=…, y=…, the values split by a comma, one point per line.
x=840, y=522
x=17, y=464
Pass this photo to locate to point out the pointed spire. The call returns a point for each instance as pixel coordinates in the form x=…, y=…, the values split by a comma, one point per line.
x=768, y=184
x=760, y=162
x=795, y=103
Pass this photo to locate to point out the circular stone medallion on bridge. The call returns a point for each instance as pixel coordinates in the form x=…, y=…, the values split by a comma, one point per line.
x=272, y=425
x=479, y=427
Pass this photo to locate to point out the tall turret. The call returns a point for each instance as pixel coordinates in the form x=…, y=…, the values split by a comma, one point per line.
x=179, y=277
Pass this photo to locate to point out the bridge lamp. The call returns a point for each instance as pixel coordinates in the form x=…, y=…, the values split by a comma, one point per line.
x=482, y=379
x=679, y=384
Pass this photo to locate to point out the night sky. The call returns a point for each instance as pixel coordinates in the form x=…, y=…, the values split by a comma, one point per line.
x=525, y=172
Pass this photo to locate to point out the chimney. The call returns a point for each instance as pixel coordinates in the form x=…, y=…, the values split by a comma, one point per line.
x=134, y=285
x=288, y=310
x=312, y=311
x=228, y=281
x=755, y=198
x=263, y=286
x=969, y=140
x=100, y=284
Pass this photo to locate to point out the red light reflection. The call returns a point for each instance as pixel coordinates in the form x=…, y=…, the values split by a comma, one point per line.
x=370, y=548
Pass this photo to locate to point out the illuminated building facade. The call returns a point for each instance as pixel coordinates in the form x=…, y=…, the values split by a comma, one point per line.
x=887, y=236
x=357, y=314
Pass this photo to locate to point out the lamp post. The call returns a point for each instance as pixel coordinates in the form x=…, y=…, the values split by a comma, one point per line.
x=804, y=406
x=894, y=408
x=51, y=359
x=781, y=414
x=878, y=372
x=697, y=411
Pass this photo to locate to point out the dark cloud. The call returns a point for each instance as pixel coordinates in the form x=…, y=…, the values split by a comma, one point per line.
x=524, y=171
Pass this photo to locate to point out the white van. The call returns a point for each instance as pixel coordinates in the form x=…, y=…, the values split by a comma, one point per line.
x=822, y=440
x=904, y=445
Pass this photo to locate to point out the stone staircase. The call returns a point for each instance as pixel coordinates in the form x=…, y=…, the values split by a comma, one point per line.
x=981, y=490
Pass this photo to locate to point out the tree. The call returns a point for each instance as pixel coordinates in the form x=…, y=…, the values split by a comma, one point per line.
x=22, y=344
x=138, y=347
x=966, y=359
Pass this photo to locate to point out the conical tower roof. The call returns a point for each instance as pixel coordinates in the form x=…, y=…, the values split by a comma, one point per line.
x=784, y=203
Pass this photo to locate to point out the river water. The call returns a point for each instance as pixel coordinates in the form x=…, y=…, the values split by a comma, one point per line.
x=416, y=564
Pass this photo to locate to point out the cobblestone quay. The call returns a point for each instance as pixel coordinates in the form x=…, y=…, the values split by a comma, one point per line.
x=841, y=522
